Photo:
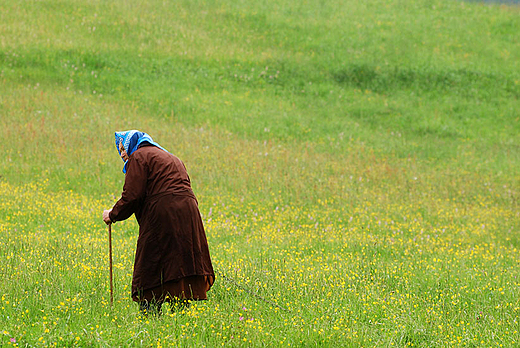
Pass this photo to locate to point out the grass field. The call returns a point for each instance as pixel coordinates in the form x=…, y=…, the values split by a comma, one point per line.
x=357, y=165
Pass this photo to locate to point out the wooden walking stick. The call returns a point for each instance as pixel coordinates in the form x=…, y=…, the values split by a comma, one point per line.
x=110, y=257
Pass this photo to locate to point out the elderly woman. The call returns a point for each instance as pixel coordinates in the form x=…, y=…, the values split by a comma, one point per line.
x=172, y=261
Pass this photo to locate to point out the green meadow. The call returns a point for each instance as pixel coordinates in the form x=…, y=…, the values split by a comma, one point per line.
x=356, y=163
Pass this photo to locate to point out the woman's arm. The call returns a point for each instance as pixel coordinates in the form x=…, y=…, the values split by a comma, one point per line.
x=134, y=190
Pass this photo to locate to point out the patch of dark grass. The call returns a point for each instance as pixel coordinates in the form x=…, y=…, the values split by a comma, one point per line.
x=122, y=71
x=463, y=82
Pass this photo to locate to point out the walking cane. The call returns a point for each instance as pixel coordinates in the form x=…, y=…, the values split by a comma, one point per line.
x=110, y=257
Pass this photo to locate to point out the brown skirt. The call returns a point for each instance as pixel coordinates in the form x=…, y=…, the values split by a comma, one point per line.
x=190, y=288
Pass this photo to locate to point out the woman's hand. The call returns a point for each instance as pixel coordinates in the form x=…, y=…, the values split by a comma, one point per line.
x=106, y=216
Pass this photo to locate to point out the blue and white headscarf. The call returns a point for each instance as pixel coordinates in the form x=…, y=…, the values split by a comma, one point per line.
x=132, y=139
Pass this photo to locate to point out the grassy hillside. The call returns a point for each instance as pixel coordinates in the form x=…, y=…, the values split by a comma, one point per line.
x=356, y=164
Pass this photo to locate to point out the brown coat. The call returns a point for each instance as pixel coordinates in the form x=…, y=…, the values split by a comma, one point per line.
x=172, y=243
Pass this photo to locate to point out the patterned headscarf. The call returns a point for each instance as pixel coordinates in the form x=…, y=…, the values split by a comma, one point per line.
x=132, y=139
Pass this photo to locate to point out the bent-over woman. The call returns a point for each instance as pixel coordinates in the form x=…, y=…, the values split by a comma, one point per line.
x=172, y=261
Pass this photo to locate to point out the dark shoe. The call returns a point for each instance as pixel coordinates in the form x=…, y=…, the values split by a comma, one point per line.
x=178, y=304
x=150, y=307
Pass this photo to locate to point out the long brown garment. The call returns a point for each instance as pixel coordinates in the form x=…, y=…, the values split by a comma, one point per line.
x=172, y=243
